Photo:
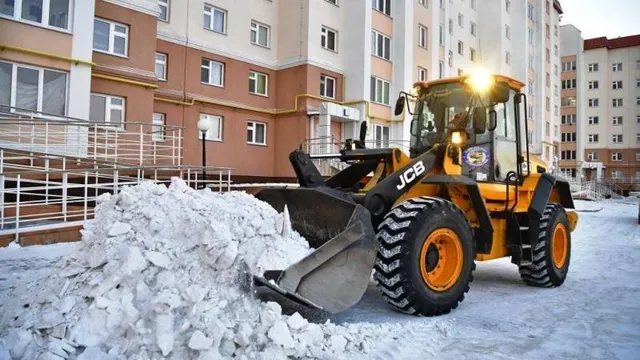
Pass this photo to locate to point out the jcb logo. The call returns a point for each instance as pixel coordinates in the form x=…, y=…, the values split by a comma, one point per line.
x=411, y=174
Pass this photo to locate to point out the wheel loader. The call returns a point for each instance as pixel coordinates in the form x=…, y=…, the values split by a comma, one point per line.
x=467, y=190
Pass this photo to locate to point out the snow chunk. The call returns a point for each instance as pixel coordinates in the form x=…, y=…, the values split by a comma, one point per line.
x=199, y=341
x=296, y=321
x=280, y=334
x=158, y=259
x=119, y=229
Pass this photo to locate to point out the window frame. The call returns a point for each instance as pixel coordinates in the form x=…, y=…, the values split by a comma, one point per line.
x=617, y=102
x=112, y=35
x=208, y=135
x=324, y=36
x=323, y=79
x=108, y=106
x=158, y=122
x=222, y=72
x=258, y=26
x=593, y=138
x=211, y=25
x=166, y=4
x=380, y=143
x=266, y=83
x=374, y=46
x=593, y=120
x=421, y=71
x=252, y=125
x=386, y=6
x=375, y=82
x=164, y=63
x=616, y=156
x=45, y=16
x=423, y=39
x=615, y=137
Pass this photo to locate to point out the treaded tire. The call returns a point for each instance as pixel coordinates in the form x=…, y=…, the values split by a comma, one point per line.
x=543, y=272
x=397, y=270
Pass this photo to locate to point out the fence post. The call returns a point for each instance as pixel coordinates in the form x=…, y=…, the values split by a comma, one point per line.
x=179, y=146
x=46, y=137
x=220, y=179
x=86, y=193
x=65, y=176
x=1, y=160
x=46, y=184
x=17, y=208
x=95, y=140
x=2, y=200
x=116, y=175
x=141, y=144
x=228, y=179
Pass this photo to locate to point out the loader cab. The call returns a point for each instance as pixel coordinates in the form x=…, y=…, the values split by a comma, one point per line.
x=482, y=115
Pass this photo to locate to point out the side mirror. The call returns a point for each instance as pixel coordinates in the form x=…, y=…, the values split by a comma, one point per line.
x=493, y=120
x=500, y=92
x=479, y=120
x=399, y=105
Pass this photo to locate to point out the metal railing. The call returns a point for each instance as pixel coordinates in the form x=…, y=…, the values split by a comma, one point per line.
x=137, y=143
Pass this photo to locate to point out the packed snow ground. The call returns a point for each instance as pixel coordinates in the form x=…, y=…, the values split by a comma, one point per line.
x=594, y=315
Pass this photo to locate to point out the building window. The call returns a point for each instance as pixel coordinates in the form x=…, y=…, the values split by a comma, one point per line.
x=441, y=35
x=380, y=45
x=450, y=59
x=460, y=48
x=215, y=127
x=381, y=136
x=617, y=102
x=530, y=37
x=258, y=83
x=507, y=6
x=593, y=85
x=555, y=30
x=591, y=156
x=616, y=156
x=54, y=13
x=638, y=82
x=569, y=119
x=594, y=120
x=157, y=128
x=616, y=85
x=616, y=174
x=215, y=19
x=441, y=69
x=328, y=39
x=568, y=84
x=328, y=86
x=334, y=2
x=546, y=7
x=617, y=138
x=384, y=6
x=594, y=102
x=450, y=26
x=547, y=55
x=164, y=10
x=547, y=31
x=422, y=36
x=548, y=79
x=161, y=66
x=593, y=138
x=507, y=58
x=617, y=120
x=507, y=31
x=380, y=91
x=637, y=140
x=460, y=20
x=638, y=100
x=472, y=28
x=260, y=34
x=530, y=87
x=617, y=67
x=473, y=4
x=422, y=74
x=256, y=133
x=33, y=88
x=555, y=49
x=472, y=54
x=593, y=67
x=568, y=101
x=568, y=66
x=107, y=109
x=531, y=62
x=424, y=3
x=212, y=72
x=530, y=11
x=110, y=37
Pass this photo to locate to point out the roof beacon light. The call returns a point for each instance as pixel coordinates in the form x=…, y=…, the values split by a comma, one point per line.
x=480, y=80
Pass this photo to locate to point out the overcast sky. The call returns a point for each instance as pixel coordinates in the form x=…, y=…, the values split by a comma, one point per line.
x=595, y=18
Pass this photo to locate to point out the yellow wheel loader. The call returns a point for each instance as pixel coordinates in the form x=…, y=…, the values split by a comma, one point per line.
x=467, y=191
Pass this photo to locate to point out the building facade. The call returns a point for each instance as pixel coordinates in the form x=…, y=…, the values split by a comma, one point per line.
x=271, y=76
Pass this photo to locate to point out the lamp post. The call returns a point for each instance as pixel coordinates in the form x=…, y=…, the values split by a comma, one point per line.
x=203, y=126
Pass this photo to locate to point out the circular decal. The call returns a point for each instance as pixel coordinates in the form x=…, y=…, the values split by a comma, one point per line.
x=475, y=156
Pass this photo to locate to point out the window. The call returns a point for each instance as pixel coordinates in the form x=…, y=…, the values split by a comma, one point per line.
x=158, y=127
x=548, y=79
x=568, y=84
x=380, y=90
x=110, y=37
x=530, y=87
x=547, y=128
x=616, y=174
x=507, y=6
x=441, y=69
x=473, y=4
x=260, y=34
x=161, y=66
x=638, y=100
x=617, y=102
x=380, y=45
x=555, y=69
x=594, y=102
x=460, y=48
x=334, y=2
x=593, y=138
x=617, y=138
x=328, y=39
x=531, y=62
x=215, y=127
x=616, y=85
x=422, y=74
x=212, y=72
x=460, y=20
x=547, y=31
x=472, y=28
x=507, y=58
x=256, y=133
x=164, y=10
x=384, y=6
x=591, y=156
x=555, y=49
x=637, y=64
x=328, y=86
x=530, y=37
x=107, y=109
x=530, y=12
x=568, y=101
x=215, y=19
x=569, y=66
x=441, y=36
x=616, y=67
x=637, y=139
x=424, y=3
x=381, y=136
x=451, y=26
x=546, y=6
x=48, y=13
x=472, y=54
x=617, y=120
x=555, y=30
x=258, y=83
x=422, y=36
x=638, y=82
x=593, y=67
x=594, y=120
x=450, y=58
x=638, y=119
x=507, y=31
x=530, y=112
x=33, y=88
x=547, y=55
x=616, y=156
x=568, y=155
x=569, y=119
x=593, y=85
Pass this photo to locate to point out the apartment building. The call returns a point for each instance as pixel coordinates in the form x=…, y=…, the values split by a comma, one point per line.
x=270, y=76
x=612, y=108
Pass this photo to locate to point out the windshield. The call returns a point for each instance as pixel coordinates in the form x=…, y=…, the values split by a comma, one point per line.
x=444, y=107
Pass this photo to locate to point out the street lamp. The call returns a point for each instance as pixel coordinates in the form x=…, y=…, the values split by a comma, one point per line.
x=203, y=126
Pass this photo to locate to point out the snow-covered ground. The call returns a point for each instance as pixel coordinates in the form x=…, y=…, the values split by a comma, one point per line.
x=594, y=315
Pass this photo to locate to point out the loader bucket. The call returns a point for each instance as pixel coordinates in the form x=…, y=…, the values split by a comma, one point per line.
x=336, y=275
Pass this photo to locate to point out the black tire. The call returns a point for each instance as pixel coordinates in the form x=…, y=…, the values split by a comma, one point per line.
x=397, y=271
x=543, y=272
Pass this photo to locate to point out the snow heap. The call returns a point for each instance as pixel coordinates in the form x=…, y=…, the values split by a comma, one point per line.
x=161, y=273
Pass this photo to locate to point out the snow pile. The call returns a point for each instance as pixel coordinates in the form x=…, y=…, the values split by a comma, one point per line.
x=161, y=273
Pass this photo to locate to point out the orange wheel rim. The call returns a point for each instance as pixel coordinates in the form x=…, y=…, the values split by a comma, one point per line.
x=441, y=259
x=559, y=244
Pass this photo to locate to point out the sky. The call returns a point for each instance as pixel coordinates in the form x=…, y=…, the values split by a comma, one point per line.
x=595, y=18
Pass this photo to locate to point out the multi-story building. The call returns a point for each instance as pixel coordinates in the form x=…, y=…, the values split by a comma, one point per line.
x=270, y=76
x=612, y=108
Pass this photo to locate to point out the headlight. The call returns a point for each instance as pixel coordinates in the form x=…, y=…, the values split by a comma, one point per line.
x=480, y=80
x=456, y=137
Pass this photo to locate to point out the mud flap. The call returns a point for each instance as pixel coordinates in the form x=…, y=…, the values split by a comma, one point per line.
x=334, y=277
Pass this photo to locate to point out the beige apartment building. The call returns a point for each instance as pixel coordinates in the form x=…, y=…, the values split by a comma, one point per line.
x=270, y=76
